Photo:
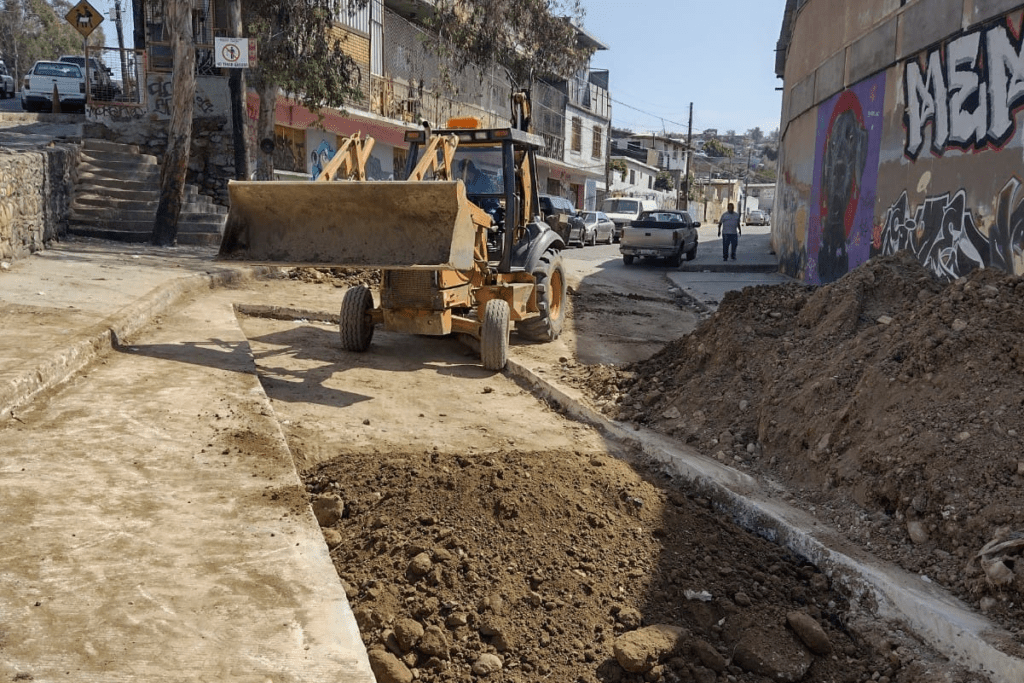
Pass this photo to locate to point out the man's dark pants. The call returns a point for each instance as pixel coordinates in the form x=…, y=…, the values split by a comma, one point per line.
x=729, y=241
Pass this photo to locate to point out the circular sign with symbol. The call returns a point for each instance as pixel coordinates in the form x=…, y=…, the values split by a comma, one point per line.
x=231, y=53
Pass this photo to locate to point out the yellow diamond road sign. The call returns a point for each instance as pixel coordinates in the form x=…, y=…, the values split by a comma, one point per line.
x=84, y=17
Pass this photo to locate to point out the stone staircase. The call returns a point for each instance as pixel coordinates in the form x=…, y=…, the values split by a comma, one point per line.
x=117, y=194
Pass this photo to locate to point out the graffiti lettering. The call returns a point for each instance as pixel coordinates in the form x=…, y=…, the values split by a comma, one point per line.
x=1006, y=248
x=969, y=90
x=116, y=113
x=161, y=93
x=943, y=236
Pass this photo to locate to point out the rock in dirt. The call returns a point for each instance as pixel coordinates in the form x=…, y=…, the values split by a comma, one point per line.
x=709, y=656
x=328, y=509
x=434, y=643
x=387, y=668
x=809, y=632
x=408, y=632
x=639, y=651
x=487, y=664
x=773, y=654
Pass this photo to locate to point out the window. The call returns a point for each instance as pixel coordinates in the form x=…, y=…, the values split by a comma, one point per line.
x=596, y=151
x=632, y=177
x=577, y=134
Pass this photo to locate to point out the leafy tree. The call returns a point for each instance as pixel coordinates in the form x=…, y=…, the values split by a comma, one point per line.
x=664, y=181
x=300, y=55
x=33, y=30
x=770, y=153
x=716, y=148
x=528, y=38
x=618, y=166
x=756, y=135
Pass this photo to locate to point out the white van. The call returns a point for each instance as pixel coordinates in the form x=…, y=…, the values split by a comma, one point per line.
x=625, y=210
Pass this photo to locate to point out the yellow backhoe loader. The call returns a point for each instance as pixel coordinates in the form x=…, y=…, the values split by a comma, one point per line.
x=459, y=242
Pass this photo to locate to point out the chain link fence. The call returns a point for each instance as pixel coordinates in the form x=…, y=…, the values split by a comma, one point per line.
x=115, y=76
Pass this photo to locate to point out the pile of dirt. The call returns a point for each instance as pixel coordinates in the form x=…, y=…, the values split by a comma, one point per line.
x=512, y=566
x=888, y=403
x=339, y=277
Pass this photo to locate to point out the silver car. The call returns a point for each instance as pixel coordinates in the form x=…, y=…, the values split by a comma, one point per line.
x=599, y=228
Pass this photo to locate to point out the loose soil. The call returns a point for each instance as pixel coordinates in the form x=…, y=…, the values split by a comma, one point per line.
x=523, y=547
x=888, y=403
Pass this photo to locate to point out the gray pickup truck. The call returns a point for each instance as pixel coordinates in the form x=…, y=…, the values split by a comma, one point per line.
x=664, y=234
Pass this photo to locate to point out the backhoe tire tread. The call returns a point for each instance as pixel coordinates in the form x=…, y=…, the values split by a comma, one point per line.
x=494, y=335
x=552, y=293
x=355, y=325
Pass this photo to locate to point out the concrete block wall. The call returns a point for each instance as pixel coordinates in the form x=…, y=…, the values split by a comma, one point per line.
x=902, y=129
x=36, y=187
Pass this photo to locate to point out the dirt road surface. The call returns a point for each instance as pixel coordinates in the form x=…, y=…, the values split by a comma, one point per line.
x=481, y=535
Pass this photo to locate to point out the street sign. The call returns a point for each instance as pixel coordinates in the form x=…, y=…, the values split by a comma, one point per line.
x=84, y=17
x=231, y=53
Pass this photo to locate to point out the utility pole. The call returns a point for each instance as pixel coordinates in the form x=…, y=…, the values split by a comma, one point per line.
x=689, y=142
x=120, y=45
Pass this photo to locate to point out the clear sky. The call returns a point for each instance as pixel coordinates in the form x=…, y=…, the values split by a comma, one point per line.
x=664, y=54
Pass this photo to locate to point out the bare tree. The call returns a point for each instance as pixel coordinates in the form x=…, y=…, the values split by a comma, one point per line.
x=179, y=135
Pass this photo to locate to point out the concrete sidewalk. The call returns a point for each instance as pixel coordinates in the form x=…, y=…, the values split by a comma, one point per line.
x=708, y=278
x=143, y=541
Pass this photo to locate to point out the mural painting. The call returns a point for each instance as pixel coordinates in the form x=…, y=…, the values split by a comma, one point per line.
x=319, y=158
x=849, y=135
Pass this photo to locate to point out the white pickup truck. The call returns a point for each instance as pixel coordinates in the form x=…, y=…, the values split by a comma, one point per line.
x=664, y=234
x=43, y=77
x=6, y=81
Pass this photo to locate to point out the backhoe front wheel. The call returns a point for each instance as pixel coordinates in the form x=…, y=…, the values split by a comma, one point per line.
x=494, y=334
x=551, y=300
x=356, y=319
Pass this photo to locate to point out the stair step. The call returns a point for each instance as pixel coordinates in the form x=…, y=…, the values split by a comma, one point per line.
x=102, y=201
x=207, y=239
x=115, y=194
x=99, y=157
x=102, y=181
x=136, y=170
x=107, y=146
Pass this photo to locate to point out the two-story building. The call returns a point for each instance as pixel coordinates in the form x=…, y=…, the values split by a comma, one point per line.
x=401, y=85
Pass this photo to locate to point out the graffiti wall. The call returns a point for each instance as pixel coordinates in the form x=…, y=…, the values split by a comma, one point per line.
x=926, y=156
x=842, y=203
x=953, y=194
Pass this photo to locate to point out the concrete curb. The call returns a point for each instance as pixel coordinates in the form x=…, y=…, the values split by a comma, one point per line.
x=64, y=363
x=885, y=590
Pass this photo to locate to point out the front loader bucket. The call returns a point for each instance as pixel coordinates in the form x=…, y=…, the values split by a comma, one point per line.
x=367, y=224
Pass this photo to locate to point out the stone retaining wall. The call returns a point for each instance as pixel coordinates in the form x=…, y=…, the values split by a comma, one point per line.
x=36, y=188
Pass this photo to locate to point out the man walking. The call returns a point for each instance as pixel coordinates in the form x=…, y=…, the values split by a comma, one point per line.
x=729, y=231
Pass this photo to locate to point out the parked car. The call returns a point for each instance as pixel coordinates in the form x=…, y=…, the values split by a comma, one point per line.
x=757, y=217
x=101, y=85
x=624, y=210
x=599, y=228
x=6, y=81
x=37, y=88
x=561, y=215
x=664, y=233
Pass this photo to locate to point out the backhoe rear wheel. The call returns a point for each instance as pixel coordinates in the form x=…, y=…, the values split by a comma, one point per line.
x=551, y=300
x=356, y=320
x=494, y=334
